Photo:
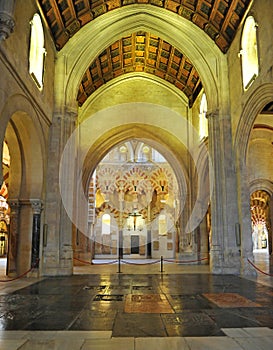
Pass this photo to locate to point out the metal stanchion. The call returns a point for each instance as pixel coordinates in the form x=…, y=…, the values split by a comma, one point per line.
x=161, y=264
x=119, y=269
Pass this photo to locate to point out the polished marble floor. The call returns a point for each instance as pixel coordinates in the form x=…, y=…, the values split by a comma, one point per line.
x=182, y=308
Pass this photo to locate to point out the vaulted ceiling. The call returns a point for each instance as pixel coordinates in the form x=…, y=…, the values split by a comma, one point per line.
x=141, y=51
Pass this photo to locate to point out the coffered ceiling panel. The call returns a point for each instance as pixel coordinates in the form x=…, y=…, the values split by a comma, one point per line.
x=144, y=52
x=141, y=52
x=218, y=18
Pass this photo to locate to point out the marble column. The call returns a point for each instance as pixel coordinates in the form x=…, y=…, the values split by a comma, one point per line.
x=120, y=238
x=36, y=225
x=12, y=268
x=6, y=19
x=224, y=253
x=149, y=197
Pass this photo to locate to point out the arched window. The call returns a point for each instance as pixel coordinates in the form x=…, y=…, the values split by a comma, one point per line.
x=249, y=52
x=106, y=224
x=203, y=122
x=37, y=51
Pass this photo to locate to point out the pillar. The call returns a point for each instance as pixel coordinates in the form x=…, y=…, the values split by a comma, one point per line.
x=244, y=218
x=149, y=197
x=13, y=238
x=120, y=238
x=36, y=225
x=224, y=253
x=57, y=256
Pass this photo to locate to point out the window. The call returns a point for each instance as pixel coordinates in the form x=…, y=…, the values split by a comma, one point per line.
x=37, y=51
x=106, y=224
x=203, y=122
x=249, y=53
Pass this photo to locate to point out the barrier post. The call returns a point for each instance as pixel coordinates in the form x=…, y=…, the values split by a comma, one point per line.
x=161, y=264
x=119, y=270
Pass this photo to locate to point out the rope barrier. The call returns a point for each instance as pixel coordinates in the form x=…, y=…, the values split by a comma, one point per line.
x=107, y=263
x=22, y=275
x=148, y=263
x=90, y=263
x=255, y=267
x=184, y=261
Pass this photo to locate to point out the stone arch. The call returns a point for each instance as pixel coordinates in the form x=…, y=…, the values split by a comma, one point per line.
x=144, y=133
x=19, y=120
x=170, y=142
x=208, y=60
x=261, y=184
x=257, y=100
x=23, y=133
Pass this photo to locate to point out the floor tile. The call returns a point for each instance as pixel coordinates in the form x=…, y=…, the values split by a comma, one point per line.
x=190, y=323
x=112, y=344
x=230, y=300
x=147, y=303
x=213, y=343
x=259, y=332
x=11, y=344
x=254, y=343
x=140, y=325
x=236, y=332
x=85, y=334
x=41, y=344
x=161, y=343
x=225, y=318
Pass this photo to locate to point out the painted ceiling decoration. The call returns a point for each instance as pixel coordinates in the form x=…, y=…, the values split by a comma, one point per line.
x=218, y=18
x=141, y=52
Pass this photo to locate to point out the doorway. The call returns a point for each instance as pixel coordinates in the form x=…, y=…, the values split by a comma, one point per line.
x=135, y=244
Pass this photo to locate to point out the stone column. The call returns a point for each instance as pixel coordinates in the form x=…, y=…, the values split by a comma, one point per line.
x=58, y=252
x=244, y=219
x=204, y=240
x=225, y=254
x=13, y=238
x=6, y=19
x=36, y=224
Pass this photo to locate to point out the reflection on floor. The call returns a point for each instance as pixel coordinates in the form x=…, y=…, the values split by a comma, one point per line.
x=184, y=307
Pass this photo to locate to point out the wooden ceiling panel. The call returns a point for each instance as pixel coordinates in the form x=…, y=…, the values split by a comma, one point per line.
x=141, y=52
x=218, y=18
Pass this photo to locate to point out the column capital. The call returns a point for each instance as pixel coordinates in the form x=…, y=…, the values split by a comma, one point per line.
x=14, y=204
x=37, y=206
x=212, y=114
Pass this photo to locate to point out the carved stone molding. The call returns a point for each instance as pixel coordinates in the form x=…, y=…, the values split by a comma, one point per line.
x=6, y=24
x=212, y=114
